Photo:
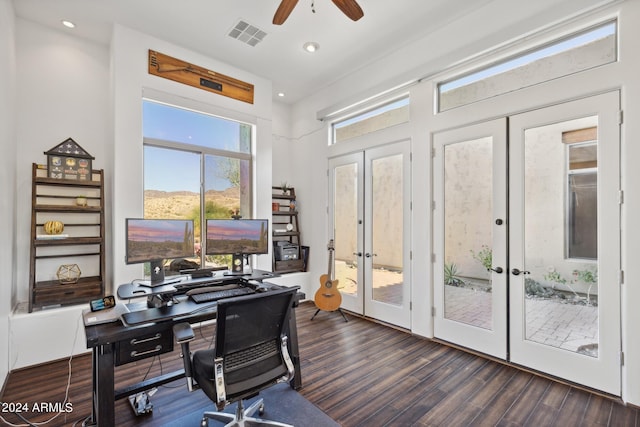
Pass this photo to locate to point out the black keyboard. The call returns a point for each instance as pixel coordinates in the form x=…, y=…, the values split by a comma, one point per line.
x=220, y=294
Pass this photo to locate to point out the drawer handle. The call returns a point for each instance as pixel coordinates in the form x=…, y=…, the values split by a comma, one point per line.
x=135, y=353
x=153, y=338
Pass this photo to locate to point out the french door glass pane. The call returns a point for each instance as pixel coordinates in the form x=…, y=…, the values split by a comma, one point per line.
x=387, y=229
x=468, y=212
x=346, y=227
x=560, y=217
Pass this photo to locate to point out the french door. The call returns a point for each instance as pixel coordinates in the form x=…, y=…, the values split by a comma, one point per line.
x=371, y=227
x=528, y=268
x=470, y=237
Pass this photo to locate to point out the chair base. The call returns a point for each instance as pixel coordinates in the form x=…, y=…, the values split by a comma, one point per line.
x=243, y=417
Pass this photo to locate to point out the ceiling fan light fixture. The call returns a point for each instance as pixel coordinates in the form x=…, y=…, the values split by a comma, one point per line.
x=311, y=47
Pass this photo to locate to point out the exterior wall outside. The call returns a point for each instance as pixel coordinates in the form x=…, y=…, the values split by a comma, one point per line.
x=468, y=207
x=386, y=224
x=546, y=206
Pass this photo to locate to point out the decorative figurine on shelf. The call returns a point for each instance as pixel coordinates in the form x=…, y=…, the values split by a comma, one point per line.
x=68, y=273
x=284, y=187
x=235, y=214
x=53, y=227
x=81, y=201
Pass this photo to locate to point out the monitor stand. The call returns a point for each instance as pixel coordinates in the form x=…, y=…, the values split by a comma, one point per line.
x=237, y=266
x=157, y=276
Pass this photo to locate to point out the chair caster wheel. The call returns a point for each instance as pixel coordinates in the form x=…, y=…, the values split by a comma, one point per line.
x=261, y=410
x=204, y=423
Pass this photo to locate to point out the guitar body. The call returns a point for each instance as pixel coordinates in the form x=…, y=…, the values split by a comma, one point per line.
x=328, y=297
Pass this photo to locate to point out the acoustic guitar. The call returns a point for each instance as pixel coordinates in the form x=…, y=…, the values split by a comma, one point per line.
x=328, y=297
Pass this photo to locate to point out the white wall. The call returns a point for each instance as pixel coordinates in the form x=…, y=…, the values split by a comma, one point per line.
x=62, y=91
x=7, y=176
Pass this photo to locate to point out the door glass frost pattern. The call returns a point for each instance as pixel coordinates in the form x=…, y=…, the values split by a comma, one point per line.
x=468, y=207
x=560, y=217
x=387, y=229
x=346, y=227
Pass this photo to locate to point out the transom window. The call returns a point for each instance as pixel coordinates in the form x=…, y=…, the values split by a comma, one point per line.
x=581, y=51
x=372, y=120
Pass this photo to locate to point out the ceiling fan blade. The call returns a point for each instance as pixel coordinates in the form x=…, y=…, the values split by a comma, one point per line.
x=285, y=8
x=349, y=8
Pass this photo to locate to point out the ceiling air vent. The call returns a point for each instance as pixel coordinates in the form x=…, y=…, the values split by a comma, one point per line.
x=247, y=33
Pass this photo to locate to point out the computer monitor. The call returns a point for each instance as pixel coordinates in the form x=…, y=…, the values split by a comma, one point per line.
x=156, y=240
x=237, y=237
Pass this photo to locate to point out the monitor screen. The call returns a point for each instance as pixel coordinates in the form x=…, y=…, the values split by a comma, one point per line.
x=158, y=239
x=237, y=236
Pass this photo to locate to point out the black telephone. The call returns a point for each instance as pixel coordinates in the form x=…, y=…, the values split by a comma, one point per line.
x=103, y=303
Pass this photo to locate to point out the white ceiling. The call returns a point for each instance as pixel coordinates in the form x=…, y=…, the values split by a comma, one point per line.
x=203, y=25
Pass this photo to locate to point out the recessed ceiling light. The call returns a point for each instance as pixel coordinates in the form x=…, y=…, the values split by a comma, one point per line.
x=311, y=47
x=281, y=94
x=68, y=24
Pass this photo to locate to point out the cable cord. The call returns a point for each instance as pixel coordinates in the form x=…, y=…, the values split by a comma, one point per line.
x=66, y=394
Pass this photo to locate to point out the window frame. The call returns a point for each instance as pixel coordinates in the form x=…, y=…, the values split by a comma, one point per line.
x=203, y=152
x=569, y=212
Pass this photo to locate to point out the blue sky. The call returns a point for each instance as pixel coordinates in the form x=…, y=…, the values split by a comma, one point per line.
x=175, y=170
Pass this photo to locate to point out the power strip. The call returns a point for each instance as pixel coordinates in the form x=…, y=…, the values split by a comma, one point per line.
x=140, y=402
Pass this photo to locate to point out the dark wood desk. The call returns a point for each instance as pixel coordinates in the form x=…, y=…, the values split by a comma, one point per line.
x=111, y=345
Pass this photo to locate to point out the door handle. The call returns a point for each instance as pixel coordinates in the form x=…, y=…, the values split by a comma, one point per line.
x=357, y=253
x=498, y=270
x=516, y=272
x=368, y=255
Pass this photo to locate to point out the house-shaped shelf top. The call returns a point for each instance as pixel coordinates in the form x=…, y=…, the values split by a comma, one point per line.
x=68, y=160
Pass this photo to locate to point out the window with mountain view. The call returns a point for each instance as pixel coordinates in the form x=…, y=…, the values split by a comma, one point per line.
x=196, y=166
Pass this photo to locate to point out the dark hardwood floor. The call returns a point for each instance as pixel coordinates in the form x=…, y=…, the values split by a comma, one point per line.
x=360, y=373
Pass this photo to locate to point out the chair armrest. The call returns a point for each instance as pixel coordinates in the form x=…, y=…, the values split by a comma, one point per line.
x=183, y=332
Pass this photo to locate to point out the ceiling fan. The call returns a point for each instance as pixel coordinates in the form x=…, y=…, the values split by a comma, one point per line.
x=348, y=7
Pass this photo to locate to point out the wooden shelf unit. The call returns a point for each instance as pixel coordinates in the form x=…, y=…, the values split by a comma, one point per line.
x=284, y=211
x=55, y=200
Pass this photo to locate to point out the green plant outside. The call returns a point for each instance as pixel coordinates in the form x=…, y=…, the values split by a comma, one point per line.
x=484, y=256
x=451, y=277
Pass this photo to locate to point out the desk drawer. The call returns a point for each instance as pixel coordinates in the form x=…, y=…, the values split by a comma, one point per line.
x=143, y=346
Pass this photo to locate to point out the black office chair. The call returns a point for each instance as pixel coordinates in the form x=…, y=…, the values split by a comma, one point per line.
x=250, y=354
